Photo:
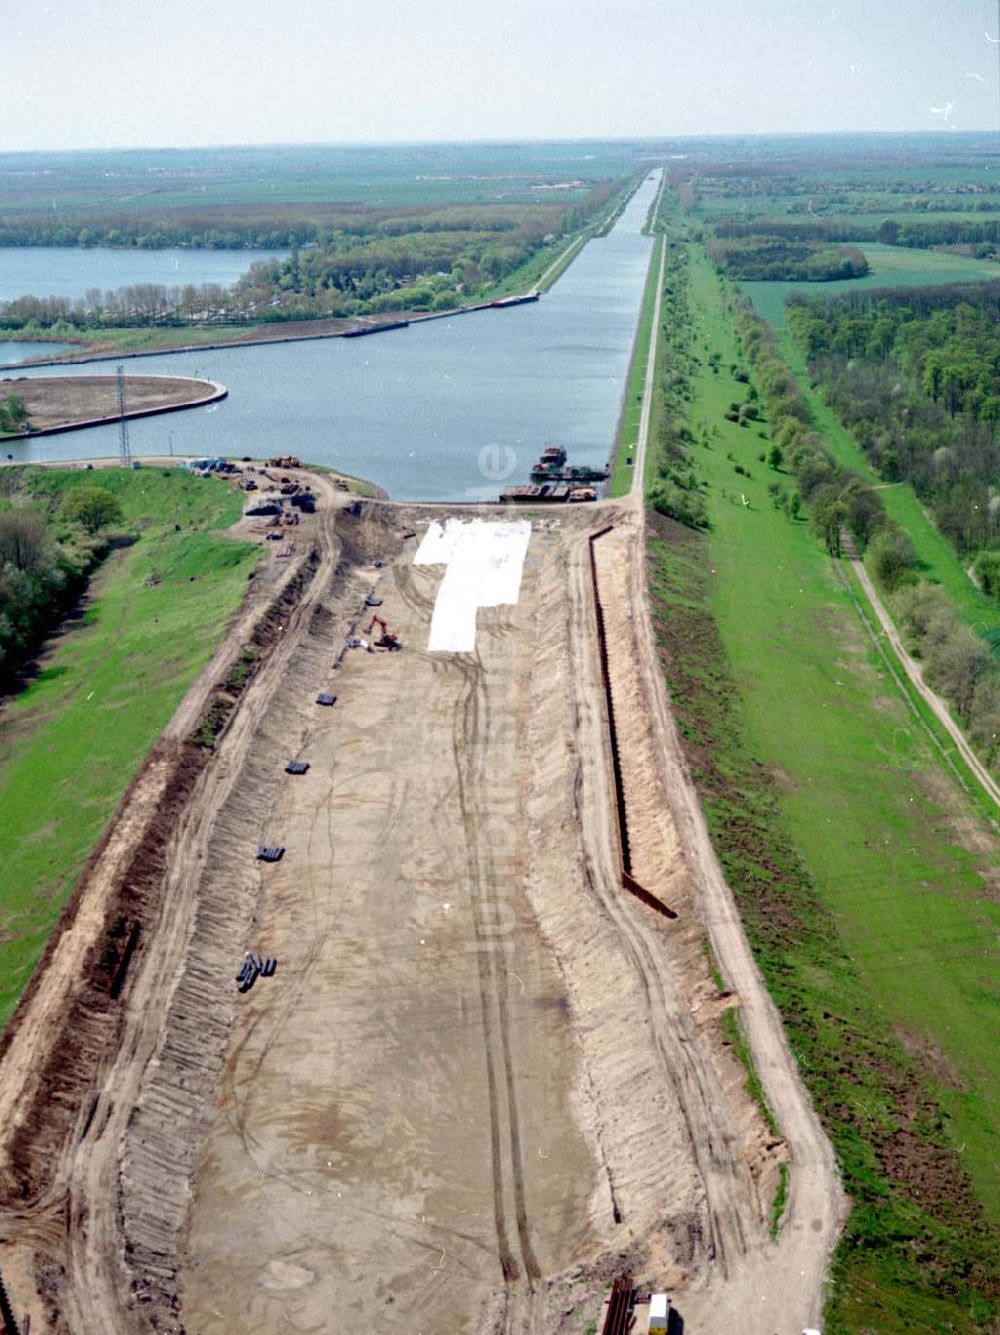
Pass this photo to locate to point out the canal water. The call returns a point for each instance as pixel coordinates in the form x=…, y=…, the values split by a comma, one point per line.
x=448, y=410
x=71, y=271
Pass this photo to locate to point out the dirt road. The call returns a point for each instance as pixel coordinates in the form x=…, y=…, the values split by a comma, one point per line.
x=639, y=470
x=938, y=706
x=484, y=1079
x=785, y=1291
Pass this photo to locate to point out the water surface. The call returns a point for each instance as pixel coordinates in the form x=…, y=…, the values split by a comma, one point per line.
x=70, y=271
x=415, y=409
x=22, y=352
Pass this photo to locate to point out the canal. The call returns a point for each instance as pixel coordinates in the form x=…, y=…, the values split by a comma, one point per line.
x=447, y=410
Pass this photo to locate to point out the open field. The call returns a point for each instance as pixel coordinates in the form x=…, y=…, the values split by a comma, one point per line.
x=863, y=176
x=112, y=676
x=892, y=266
x=263, y=177
x=823, y=747
x=59, y=401
x=484, y=1077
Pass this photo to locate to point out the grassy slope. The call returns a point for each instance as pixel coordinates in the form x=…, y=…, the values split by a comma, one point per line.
x=865, y=807
x=71, y=742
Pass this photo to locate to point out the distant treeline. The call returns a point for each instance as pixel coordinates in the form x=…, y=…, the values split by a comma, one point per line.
x=982, y=236
x=251, y=227
x=137, y=304
x=455, y=253
x=134, y=233
x=915, y=375
x=778, y=258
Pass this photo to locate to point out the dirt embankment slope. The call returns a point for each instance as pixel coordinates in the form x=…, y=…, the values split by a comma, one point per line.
x=66, y=403
x=484, y=1078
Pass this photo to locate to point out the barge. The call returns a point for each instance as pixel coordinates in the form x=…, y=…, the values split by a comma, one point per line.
x=552, y=467
x=548, y=493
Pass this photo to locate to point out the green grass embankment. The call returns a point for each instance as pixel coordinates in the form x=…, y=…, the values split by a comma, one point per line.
x=72, y=740
x=862, y=872
x=630, y=413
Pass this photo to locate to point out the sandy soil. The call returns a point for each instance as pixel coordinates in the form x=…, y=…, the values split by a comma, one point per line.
x=57, y=401
x=484, y=1078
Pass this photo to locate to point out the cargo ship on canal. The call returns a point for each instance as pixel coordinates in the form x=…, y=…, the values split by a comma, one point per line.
x=553, y=467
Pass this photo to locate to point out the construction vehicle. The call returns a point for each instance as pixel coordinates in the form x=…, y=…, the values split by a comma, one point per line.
x=386, y=640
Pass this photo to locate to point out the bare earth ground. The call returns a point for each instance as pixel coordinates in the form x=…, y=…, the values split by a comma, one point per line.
x=484, y=1078
x=58, y=400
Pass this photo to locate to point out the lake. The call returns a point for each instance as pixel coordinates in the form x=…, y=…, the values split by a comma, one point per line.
x=426, y=411
x=57, y=271
x=22, y=352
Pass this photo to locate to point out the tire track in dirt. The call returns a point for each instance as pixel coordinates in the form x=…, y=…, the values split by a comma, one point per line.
x=241, y=1083
x=780, y=1282
x=465, y=729
x=97, y=1290
x=472, y=727
x=734, y=1212
x=278, y=1012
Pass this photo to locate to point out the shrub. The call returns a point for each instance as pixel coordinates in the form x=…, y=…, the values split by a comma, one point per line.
x=891, y=558
x=687, y=507
x=92, y=508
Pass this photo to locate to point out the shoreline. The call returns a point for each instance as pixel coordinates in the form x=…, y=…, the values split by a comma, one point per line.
x=401, y=321
x=180, y=461
x=218, y=392
x=356, y=327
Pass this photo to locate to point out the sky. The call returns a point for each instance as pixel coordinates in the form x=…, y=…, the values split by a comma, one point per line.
x=118, y=73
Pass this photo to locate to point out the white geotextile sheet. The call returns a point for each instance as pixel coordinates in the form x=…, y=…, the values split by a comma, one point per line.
x=483, y=561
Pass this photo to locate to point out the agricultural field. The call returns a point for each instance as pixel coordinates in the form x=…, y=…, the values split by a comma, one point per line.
x=856, y=176
x=377, y=176
x=105, y=687
x=891, y=266
x=835, y=820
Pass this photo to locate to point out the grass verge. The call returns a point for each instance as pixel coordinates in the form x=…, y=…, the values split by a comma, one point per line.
x=732, y=1031
x=107, y=684
x=627, y=435
x=862, y=872
x=780, y=1201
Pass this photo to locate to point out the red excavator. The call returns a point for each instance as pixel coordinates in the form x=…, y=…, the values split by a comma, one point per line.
x=386, y=640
